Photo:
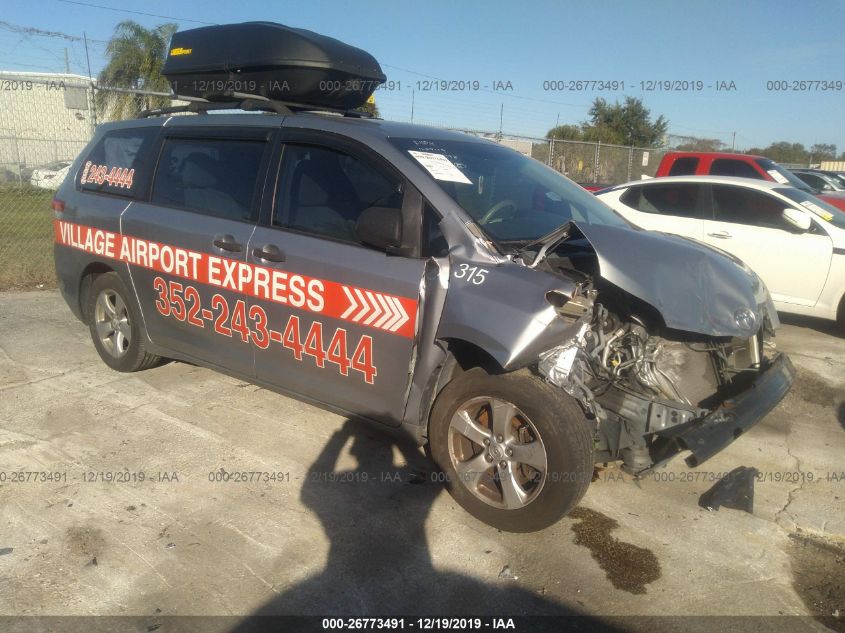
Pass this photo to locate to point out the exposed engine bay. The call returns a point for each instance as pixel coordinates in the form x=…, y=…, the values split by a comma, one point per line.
x=642, y=383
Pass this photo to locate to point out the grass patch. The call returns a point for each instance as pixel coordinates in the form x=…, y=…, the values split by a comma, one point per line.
x=26, y=238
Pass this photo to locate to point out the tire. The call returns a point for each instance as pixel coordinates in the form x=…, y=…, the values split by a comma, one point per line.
x=115, y=326
x=840, y=315
x=493, y=485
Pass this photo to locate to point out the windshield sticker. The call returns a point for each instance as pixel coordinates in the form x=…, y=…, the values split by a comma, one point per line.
x=779, y=177
x=812, y=206
x=440, y=167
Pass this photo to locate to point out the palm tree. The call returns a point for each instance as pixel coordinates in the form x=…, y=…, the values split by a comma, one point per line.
x=136, y=56
x=370, y=108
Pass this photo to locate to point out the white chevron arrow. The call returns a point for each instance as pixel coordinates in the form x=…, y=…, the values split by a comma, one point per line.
x=375, y=306
x=352, y=303
x=377, y=310
x=400, y=317
x=387, y=313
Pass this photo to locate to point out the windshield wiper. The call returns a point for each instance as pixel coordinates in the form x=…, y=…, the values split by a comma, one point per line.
x=546, y=242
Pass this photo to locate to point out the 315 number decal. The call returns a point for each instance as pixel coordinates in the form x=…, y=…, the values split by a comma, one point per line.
x=473, y=274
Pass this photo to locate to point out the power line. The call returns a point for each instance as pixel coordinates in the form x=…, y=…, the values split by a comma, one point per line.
x=151, y=15
x=31, y=30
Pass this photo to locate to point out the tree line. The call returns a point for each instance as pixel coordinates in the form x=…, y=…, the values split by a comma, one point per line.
x=630, y=123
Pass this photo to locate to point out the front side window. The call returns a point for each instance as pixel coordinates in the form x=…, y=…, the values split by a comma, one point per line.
x=434, y=242
x=117, y=161
x=512, y=198
x=747, y=206
x=323, y=191
x=217, y=177
x=732, y=167
x=670, y=199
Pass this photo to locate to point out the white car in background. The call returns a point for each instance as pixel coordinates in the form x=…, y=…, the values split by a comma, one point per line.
x=791, y=239
x=50, y=176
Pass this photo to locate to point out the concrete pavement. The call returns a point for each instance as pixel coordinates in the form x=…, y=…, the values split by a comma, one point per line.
x=138, y=508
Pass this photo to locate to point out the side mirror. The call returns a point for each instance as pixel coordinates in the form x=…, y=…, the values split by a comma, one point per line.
x=380, y=227
x=797, y=218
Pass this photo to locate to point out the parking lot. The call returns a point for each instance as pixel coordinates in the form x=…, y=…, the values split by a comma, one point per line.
x=141, y=510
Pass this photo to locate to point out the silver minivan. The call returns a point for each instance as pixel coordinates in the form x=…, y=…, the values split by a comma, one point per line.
x=433, y=283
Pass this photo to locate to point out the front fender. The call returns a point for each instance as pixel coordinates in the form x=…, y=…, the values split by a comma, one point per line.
x=507, y=314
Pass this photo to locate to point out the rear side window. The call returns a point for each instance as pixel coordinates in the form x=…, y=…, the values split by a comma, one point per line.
x=117, y=161
x=731, y=167
x=684, y=166
x=677, y=200
x=217, y=177
x=747, y=206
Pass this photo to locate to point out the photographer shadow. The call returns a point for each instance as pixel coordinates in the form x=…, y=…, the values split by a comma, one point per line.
x=379, y=563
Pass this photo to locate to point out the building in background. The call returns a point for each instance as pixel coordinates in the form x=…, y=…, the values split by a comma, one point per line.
x=45, y=118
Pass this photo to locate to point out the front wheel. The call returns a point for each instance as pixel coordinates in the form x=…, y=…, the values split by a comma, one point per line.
x=516, y=452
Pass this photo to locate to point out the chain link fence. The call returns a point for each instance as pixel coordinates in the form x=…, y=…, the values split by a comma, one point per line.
x=595, y=164
x=47, y=119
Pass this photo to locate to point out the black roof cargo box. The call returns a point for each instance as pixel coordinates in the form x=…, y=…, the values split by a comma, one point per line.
x=272, y=60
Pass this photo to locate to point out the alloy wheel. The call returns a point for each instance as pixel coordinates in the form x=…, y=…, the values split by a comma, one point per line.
x=497, y=453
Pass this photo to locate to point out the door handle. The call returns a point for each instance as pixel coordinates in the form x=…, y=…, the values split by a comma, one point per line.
x=269, y=253
x=722, y=235
x=227, y=243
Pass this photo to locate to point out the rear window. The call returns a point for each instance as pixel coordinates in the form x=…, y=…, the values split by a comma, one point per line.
x=216, y=177
x=733, y=167
x=684, y=166
x=117, y=161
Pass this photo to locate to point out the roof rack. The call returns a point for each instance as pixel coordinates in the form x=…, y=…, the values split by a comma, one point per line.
x=248, y=103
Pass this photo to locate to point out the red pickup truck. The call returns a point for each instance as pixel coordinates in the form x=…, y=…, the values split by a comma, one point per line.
x=740, y=165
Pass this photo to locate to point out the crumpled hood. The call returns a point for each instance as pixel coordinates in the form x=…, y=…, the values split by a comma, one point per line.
x=695, y=288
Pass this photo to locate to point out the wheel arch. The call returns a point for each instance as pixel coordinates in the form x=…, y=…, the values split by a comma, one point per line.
x=86, y=280
x=461, y=356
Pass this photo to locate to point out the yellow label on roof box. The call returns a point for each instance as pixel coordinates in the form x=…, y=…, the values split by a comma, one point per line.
x=180, y=51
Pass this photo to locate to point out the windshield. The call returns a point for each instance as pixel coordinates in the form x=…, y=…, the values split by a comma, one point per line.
x=835, y=183
x=783, y=176
x=514, y=199
x=819, y=207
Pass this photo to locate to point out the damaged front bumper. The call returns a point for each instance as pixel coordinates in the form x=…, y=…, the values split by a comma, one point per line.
x=707, y=436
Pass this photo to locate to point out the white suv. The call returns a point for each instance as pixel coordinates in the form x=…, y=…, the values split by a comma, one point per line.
x=794, y=241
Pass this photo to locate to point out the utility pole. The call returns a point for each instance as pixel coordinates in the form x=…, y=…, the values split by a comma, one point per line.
x=413, y=93
x=93, y=118
x=733, y=141
x=67, y=62
x=501, y=117
x=87, y=58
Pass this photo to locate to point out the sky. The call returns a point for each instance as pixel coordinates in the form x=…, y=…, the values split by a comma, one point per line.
x=511, y=62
